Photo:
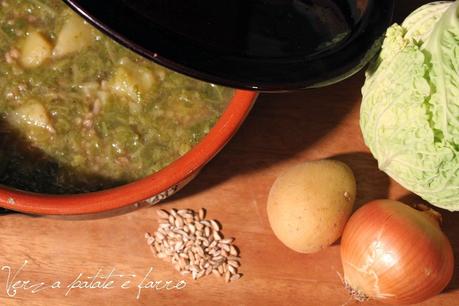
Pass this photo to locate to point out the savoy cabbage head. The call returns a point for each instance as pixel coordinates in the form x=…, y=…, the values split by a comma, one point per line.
x=410, y=108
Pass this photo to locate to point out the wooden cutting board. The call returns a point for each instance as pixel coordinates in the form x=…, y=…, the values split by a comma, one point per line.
x=282, y=130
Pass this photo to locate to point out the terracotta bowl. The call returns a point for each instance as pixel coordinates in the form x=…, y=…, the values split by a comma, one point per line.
x=153, y=188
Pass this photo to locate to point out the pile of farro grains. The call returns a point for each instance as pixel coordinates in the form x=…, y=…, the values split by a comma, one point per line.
x=194, y=245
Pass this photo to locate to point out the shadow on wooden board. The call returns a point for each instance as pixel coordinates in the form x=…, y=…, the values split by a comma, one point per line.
x=279, y=127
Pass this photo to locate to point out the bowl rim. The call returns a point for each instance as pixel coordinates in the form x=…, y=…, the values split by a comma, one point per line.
x=142, y=189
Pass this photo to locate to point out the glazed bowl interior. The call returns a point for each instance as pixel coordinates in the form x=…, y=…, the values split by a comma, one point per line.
x=153, y=187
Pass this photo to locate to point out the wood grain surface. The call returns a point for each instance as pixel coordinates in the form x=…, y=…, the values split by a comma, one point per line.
x=282, y=130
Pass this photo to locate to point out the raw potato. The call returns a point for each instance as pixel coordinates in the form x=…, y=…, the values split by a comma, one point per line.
x=35, y=50
x=309, y=205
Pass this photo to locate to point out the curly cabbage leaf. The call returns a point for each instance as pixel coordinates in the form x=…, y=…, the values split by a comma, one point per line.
x=410, y=107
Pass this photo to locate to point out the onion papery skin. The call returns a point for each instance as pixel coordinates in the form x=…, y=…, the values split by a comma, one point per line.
x=395, y=254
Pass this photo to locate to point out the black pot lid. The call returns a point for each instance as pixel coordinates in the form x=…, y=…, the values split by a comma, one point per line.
x=267, y=45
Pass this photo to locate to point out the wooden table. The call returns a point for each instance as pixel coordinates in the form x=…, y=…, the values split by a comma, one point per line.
x=282, y=130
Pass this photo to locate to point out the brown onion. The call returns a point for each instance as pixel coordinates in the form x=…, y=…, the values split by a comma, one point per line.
x=395, y=253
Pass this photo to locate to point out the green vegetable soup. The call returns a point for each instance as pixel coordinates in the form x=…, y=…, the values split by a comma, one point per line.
x=80, y=113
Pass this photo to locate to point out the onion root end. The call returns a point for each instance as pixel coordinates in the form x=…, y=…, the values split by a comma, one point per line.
x=354, y=293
